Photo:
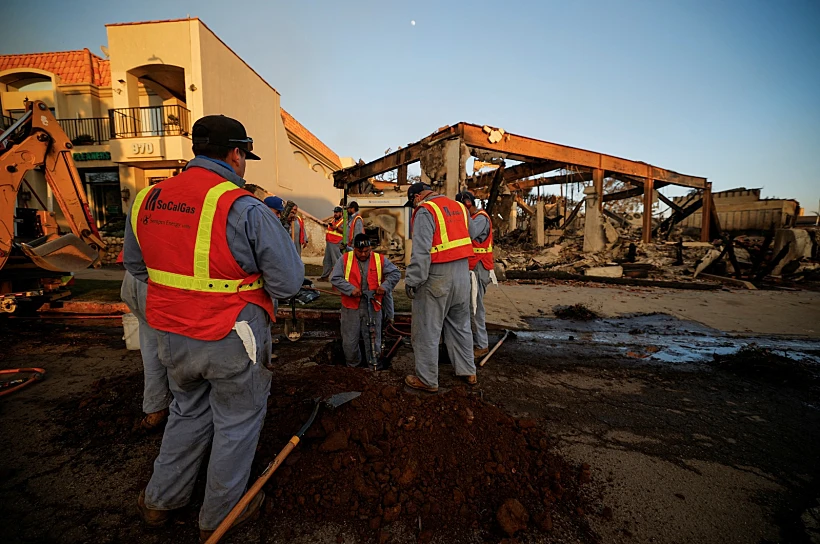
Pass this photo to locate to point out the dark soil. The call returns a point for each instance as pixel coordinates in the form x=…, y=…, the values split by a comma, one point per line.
x=576, y=312
x=763, y=365
x=435, y=466
x=444, y=462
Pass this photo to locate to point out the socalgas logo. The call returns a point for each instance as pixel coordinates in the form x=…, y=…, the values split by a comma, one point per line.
x=153, y=202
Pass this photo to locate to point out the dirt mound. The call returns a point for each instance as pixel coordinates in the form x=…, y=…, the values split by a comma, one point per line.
x=576, y=312
x=448, y=466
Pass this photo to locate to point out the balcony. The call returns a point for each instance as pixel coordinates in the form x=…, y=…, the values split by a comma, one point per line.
x=87, y=131
x=151, y=137
x=150, y=121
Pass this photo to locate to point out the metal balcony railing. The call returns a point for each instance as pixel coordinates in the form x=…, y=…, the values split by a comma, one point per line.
x=150, y=121
x=87, y=131
x=6, y=122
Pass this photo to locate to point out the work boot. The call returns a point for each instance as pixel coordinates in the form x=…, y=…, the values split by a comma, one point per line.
x=471, y=379
x=480, y=352
x=416, y=383
x=151, y=517
x=251, y=513
x=153, y=421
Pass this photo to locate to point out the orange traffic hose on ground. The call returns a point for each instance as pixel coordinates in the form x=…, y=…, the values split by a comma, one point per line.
x=38, y=374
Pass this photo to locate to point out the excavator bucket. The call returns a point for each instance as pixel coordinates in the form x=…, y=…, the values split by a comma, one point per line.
x=67, y=253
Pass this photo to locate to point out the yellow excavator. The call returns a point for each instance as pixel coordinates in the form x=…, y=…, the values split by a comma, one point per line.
x=35, y=257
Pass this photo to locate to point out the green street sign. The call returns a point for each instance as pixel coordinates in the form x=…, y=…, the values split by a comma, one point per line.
x=92, y=156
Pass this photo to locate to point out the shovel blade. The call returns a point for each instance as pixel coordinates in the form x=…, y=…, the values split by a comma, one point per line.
x=294, y=330
x=340, y=398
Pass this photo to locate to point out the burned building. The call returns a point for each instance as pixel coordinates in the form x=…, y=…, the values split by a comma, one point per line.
x=742, y=210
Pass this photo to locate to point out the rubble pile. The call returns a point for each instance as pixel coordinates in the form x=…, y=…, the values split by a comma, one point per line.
x=789, y=256
x=448, y=466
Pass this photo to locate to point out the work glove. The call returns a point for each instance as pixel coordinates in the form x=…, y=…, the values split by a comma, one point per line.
x=410, y=291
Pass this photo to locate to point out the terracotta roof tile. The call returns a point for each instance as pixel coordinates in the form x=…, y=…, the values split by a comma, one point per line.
x=295, y=127
x=85, y=67
x=71, y=66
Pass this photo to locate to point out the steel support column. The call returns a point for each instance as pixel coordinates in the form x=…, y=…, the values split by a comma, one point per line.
x=648, y=193
x=706, y=213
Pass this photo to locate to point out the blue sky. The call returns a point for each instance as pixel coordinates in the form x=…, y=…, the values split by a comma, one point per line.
x=729, y=90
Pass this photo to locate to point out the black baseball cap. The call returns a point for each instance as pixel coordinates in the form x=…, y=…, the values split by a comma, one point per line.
x=465, y=195
x=415, y=189
x=337, y=209
x=361, y=240
x=224, y=132
x=353, y=204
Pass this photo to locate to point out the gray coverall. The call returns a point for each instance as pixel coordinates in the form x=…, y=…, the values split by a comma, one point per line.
x=220, y=392
x=479, y=231
x=295, y=225
x=332, y=254
x=156, y=395
x=354, y=322
x=441, y=305
x=357, y=229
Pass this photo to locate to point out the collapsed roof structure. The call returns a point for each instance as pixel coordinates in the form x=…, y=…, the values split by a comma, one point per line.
x=522, y=163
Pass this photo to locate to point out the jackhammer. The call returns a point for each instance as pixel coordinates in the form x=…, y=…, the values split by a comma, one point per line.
x=373, y=355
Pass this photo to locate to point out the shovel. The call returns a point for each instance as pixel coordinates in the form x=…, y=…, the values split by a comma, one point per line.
x=294, y=328
x=331, y=402
x=498, y=345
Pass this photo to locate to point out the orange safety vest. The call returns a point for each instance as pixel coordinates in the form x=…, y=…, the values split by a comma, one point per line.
x=352, y=229
x=354, y=276
x=483, y=251
x=334, y=233
x=302, y=234
x=451, y=239
x=195, y=286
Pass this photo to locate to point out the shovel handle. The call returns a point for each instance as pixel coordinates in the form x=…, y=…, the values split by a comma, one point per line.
x=252, y=492
x=498, y=345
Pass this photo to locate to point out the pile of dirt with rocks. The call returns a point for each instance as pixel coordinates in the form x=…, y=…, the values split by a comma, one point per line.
x=576, y=312
x=448, y=466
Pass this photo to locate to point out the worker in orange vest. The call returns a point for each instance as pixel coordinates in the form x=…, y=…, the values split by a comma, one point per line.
x=357, y=273
x=438, y=281
x=481, y=270
x=214, y=258
x=333, y=236
x=355, y=223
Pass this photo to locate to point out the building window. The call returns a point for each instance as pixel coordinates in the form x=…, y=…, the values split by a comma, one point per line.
x=102, y=187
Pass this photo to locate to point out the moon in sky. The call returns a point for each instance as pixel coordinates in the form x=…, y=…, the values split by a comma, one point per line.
x=412, y=23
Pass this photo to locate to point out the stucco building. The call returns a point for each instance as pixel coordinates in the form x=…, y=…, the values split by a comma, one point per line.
x=130, y=115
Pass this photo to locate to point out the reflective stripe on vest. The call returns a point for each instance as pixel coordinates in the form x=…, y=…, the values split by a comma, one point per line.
x=135, y=210
x=446, y=243
x=201, y=280
x=483, y=251
x=489, y=248
x=349, y=266
x=377, y=263
x=333, y=231
x=351, y=234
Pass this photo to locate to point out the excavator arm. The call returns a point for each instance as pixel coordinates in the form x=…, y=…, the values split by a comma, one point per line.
x=37, y=140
